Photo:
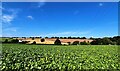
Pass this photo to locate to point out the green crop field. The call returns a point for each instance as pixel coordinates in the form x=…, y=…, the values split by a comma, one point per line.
x=56, y=57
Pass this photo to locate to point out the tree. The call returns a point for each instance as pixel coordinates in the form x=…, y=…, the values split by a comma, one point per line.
x=78, y=37
x=24, y=37
x=114, y=43
x=92, y=38
x=52, y=37
x=40, y=37
x=75, y=43
x=97, y=41
x=84, y=43
x=83, y=37
x=73, y=37
x=42, y=40
x=94, y=42
x=65, y=37
x=106, y=41
x=69, y=43
x=15, y=41
x=102, y=41
x=118, y=41
x=69, y=37
x=6, y=41
x=33, y=38
x=46, y=37
x=34, y=42
x=57, y=42
x=56, y=37
x=61, y=37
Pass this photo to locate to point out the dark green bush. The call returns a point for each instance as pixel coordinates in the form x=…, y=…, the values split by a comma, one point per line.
x=57, y=42
x=75, y=43
x=42, y=40
x=84, y=43
x=34, y=42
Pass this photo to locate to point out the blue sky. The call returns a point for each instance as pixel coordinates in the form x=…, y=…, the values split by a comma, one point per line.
x=89, y=19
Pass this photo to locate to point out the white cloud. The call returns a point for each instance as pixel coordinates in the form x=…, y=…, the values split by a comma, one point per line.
x=100, y=4
x=30, y=17
x=7, y=18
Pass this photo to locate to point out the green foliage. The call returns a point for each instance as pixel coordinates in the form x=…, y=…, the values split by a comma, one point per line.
x=84, y=43
x=42, y=40
x=32, y=38
x=6, y=41
x=69, y=43
x=11, y=40
x=83, y=37
x=118, y=41
x=57, y=42
x=14, y=41
x=75, y=43
x=69, y=37
x=103, y=41
x=34, y=42
x=46, y=37
x=19, y=57
x=106, y=41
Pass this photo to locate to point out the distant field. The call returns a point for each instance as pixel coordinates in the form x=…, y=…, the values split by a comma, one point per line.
x=3, y=39
x=53, y=57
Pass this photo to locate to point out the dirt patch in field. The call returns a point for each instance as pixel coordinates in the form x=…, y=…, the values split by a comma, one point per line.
x=52, y=40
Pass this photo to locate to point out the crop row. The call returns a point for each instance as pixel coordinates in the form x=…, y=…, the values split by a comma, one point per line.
x=50, y=57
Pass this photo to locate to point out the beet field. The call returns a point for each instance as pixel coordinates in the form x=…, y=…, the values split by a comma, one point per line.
x=22, y=57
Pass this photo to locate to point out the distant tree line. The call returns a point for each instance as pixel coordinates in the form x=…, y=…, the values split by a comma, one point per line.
x=49, y=37
x=11, y=41
x=80, y=43
x=106, y=41
x=70, y=37
x=96, y=41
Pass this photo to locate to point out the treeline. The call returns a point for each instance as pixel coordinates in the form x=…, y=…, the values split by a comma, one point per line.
x=11, y=40
x=98, y=41
x=106, y=41
x=69, y=37
x=50, y=37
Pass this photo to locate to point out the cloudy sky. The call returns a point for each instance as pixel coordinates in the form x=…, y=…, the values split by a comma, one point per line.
x=89, y=19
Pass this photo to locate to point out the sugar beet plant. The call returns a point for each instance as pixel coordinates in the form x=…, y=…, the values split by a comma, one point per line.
x=57, y=57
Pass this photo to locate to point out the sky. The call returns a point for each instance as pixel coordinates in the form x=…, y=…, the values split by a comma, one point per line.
x=62, y=19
